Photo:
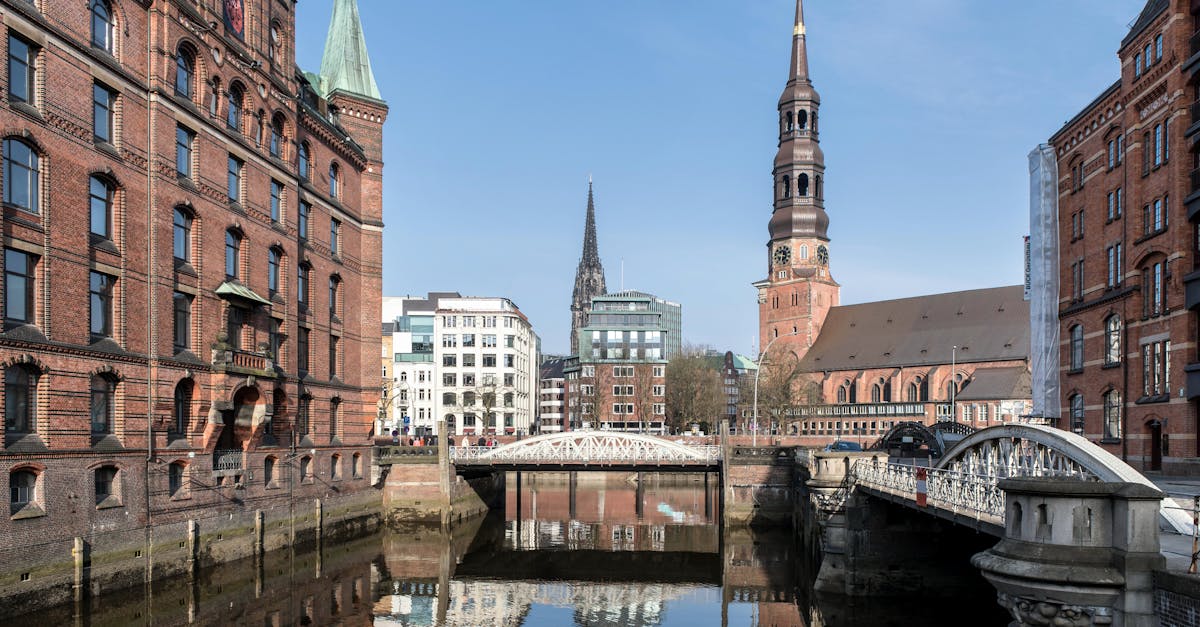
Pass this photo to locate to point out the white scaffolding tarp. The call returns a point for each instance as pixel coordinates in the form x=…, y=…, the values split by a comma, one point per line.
x=1043, y=297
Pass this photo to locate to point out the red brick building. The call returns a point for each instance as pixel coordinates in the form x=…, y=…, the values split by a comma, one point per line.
x=1127, y=243
x=192, y=265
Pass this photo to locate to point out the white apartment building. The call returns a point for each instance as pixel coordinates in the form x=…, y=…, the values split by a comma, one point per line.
x=470, y=360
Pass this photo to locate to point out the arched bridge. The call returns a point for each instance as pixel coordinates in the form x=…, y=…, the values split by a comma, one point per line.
x=964, y=484
x=916, y=439
x=590, y=450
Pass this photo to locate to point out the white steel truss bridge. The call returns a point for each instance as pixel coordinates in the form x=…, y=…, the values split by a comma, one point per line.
x=590, y=450
x=964, y=485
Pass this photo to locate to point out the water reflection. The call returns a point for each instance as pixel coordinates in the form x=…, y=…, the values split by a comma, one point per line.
x=602, y=550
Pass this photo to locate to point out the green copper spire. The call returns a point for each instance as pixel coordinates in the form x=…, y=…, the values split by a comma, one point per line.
x=345, y=65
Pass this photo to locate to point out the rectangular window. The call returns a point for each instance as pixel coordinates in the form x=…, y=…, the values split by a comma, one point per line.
x=333, y=355
x=276, y=200
x=659, y=390
x=509, y=378
x=508, y=341
x=1148, y=57
x=468, y=340
x=302, y=349
x=449, y=378
x=468, y=360
x=302, y=220
x=1112, y=153
x=1120, y=149
x=1159, y=223
x=450, y=361
x=1158, y=145
x=450, y=322
x=489, y=341
x=103, y=100
x=1120, y=203
x=1166, y=125
x=1156, y=368
x=489, y=360
x=1137, y=65
x=183, y=321
x=184, y=139
x=1112, y=206
x=509, y=360
x=235, y=323
x=22, y=70
x=18, y=286
x=1146, y=152
x=275, y=339
x=1112, y=267
x=450, y=341
x=335, y=233
x=659, y=371
x=233, y=187
x=101, y=313
x=100, y=201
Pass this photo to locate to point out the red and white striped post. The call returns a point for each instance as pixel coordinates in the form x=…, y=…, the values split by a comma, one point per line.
x=922, y=473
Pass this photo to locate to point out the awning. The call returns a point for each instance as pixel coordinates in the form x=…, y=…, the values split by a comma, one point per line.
x=230, y=289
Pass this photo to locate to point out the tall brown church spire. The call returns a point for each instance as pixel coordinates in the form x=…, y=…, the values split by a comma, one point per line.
x=799, y=289
x=799, y=50
x=589, y=276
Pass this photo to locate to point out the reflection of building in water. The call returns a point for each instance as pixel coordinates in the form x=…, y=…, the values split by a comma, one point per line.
x=574, y=535
x=485, y=602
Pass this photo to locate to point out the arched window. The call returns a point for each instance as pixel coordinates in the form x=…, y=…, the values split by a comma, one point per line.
x=819, y=193
x=103, y=403
x=1077, y=413
x=468, y=399
x=276, y=43
x=306, y=469
x=20, y=399
x=233, y=117
x=914, y=392
x=22, y=485
x=1112, y=415
x=274, y=257
x=21, y=174
x=333, y=179
x=183, y=409
x=233, y=251
x=277, y=136
x=176, y=475
x=303, y=158
x=790, y=123
x=876, y=393
x=335, y=467
x=787, y=186
x=100, y=193
x=801, y=119
x=356, y=465
x=1112, y=339
x=508, y=399
x=449, y=398
x=1077, y=347
x=185, y=72
x=102, y=26
x=183, y=235
x=802, y=185
x=954, y=386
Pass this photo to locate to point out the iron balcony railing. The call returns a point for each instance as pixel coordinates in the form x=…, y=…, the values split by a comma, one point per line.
x=229, y=459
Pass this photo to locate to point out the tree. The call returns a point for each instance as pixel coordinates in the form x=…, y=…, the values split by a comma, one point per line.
x=778, y=389
x=694, y=392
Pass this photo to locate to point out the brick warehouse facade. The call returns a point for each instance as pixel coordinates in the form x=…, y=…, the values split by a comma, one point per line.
x=192, y=273
x=1128, y=251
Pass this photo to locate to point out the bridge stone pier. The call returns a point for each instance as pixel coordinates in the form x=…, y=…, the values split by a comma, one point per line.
x=1077, y=553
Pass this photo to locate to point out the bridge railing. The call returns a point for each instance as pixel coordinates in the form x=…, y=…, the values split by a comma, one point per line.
x=704, y=454
x=975, y=496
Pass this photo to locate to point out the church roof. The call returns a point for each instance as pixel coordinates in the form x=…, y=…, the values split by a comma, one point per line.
x=997, y=384
x=986, y=325
x=345, y=66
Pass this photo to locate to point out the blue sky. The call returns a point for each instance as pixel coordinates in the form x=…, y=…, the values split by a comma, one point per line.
x=500, y=110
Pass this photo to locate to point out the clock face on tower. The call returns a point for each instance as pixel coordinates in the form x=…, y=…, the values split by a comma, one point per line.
x=822, y=255
x=783, y=254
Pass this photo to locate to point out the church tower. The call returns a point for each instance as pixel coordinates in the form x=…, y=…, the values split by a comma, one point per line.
x=589, y=276
x=799, y=291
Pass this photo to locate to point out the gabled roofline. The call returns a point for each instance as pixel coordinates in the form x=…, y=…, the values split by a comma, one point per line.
x=1110, y=90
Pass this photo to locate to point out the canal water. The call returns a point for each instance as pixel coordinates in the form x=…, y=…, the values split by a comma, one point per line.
x=595, y=549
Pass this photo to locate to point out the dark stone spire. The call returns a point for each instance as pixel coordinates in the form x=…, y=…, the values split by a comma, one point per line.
x=589, y=276
x=799, y=164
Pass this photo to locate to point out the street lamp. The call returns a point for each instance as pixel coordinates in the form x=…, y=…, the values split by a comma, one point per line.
x=757, y=371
